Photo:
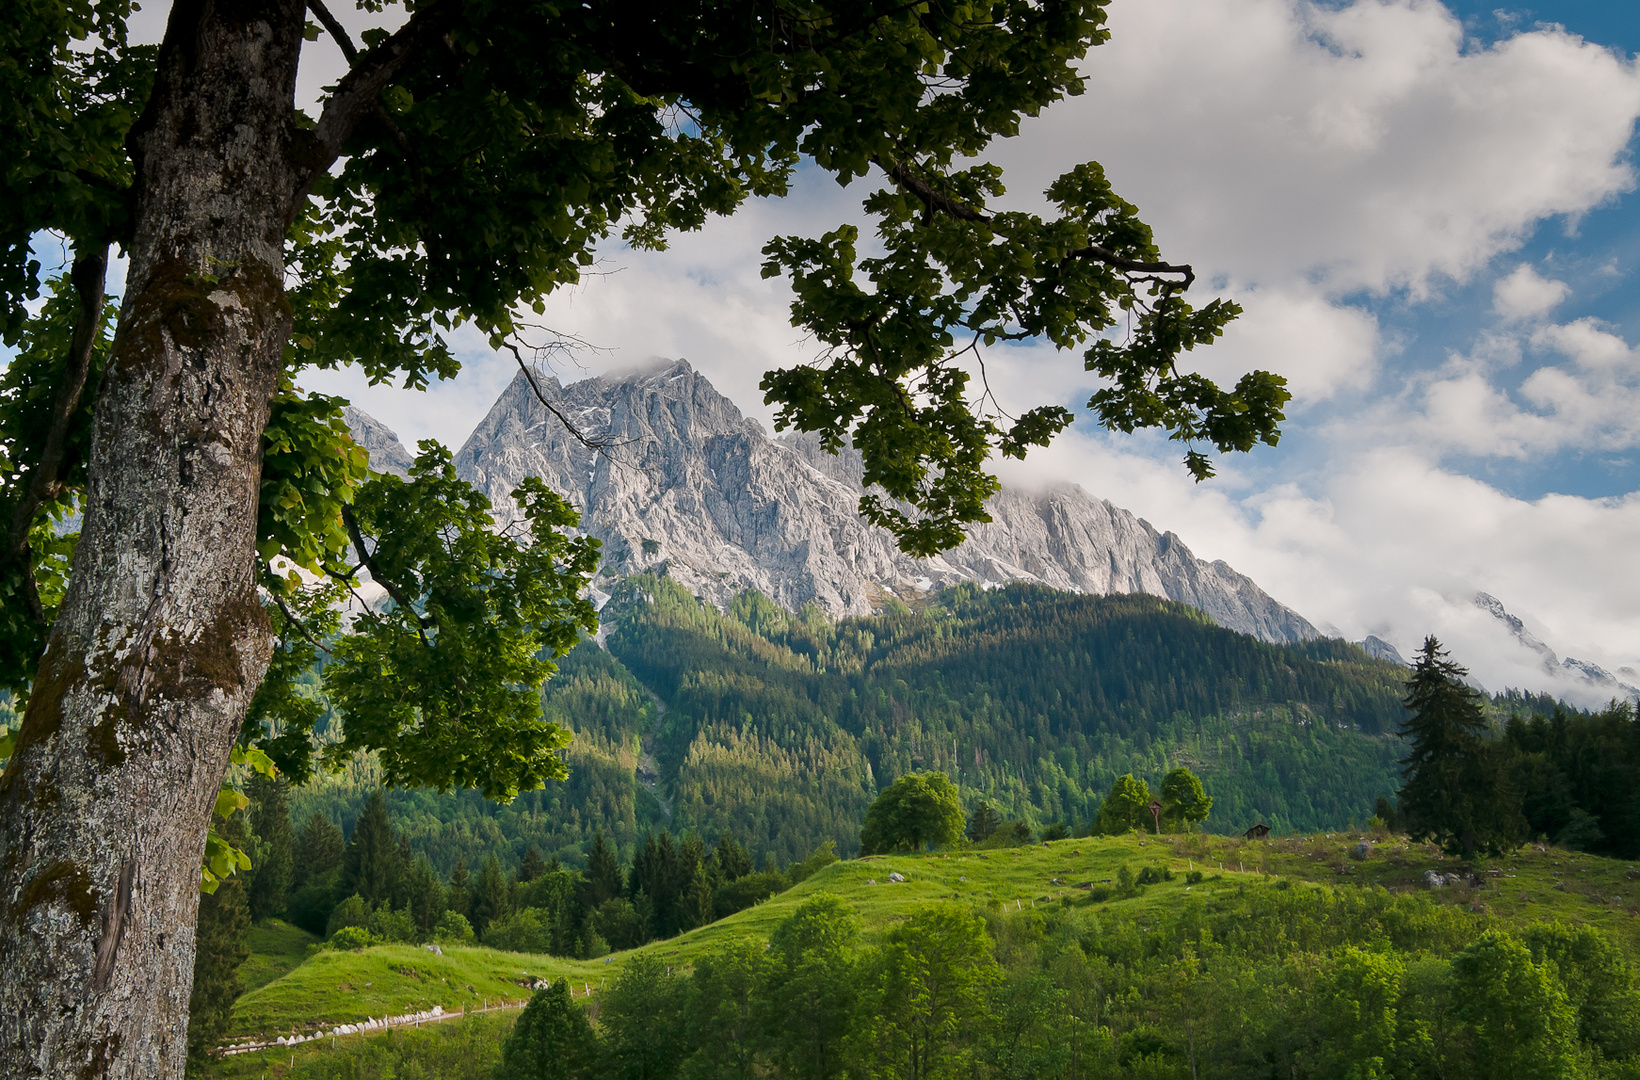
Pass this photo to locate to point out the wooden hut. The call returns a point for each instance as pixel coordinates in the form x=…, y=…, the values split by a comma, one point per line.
x=1257, y=832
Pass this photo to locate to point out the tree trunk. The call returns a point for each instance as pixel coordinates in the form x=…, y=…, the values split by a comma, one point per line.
x=161, y=640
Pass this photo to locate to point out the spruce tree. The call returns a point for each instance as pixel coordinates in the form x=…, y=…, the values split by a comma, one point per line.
x=458, y=898
x=490, y=899
x=319, y=850
x=732, y=860
x=983, y=822
x=1453, y=790
x=220, y=948
x=602, y=878
x=268, y=890
x=532, y=866
x=373, y=866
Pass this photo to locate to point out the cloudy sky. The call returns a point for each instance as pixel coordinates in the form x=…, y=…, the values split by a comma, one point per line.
x=1429, y=215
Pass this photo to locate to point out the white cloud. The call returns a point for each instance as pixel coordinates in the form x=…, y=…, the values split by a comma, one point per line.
x=1526, y=294
x=1359, y=147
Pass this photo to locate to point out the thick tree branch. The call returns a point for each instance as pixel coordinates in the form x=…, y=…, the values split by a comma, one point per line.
x=89, y=277
x=337, y=32
x=369, y=562
x=1136, y=266
x=355, y=95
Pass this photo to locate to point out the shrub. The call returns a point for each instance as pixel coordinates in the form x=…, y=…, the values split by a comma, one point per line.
x=619, y=923
x=822, y=857
x=1099, y=893
x=453, y=927
x=522, y=931
x=390, y=925
x=351, y=939
x=1193, y=878
x=1154, y=875
x=353, y=911
x=1056, y=831
x=1126, y=884
x=743, y=892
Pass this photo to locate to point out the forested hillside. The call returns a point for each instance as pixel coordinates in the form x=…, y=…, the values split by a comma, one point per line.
x=778, y=728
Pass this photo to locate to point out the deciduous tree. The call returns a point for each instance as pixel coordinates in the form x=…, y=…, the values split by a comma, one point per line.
x=913, y=812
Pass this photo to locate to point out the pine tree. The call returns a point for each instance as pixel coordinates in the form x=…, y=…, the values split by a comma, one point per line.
x=458, y=898
x=320, y=849
x=490, y=900
x=220, y=948
x=983, y=822
x=602, y=878
x=1453, y=791
x=532, y=866
x=268, y=890
x=373, y=866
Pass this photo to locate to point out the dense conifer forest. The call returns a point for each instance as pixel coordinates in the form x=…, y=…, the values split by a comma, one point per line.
x=778, y=728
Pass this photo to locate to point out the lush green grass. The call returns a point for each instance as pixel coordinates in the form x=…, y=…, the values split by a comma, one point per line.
x=333, y=987
x=451, y=1051
x=277, y=948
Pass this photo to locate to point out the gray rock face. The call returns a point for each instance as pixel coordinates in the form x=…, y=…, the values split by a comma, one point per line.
x=1383, y=650
x=686, y=481
x=387, y=453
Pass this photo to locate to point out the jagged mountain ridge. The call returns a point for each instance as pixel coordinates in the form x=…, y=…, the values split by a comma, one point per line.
x=686, y=480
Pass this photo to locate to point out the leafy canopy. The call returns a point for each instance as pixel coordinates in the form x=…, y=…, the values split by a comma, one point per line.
x=913, y=812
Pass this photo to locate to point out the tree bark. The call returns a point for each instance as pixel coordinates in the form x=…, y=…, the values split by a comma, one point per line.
x=161, y=640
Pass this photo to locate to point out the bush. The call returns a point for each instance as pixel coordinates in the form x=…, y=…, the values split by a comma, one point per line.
x=453, y=927
x=1154, y=875
x=523, y=931
x=1008, y=834
x=618, y=922
x=743, y=892
x=350, y=912
x=1056, y=831
x=822, y=857
x=390, y=925
x=1193, y=878
x=1099, y=893
x=1126, y=884
x=351, y=939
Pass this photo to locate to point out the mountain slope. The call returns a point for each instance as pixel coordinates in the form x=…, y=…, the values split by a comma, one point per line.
x=684, y=480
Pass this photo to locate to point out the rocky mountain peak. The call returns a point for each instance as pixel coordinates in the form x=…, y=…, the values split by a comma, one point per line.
x=681, y=479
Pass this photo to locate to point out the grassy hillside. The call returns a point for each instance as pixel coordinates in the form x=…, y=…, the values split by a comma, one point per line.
x=1532, y=886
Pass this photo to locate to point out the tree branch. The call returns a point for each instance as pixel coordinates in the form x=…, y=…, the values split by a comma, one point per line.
x=338, y=34
x=301, y=627
x=369, y=563
x=937, y=201
x=89, y=276
x=575, y=432
x=371, y=71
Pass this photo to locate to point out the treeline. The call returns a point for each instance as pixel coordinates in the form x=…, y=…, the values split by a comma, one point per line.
x=372, y=885
x=1360, y=984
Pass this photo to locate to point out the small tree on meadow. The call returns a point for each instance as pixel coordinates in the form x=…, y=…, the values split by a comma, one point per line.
x=1125, y=807
x=1184, y=801
x=916, y=810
